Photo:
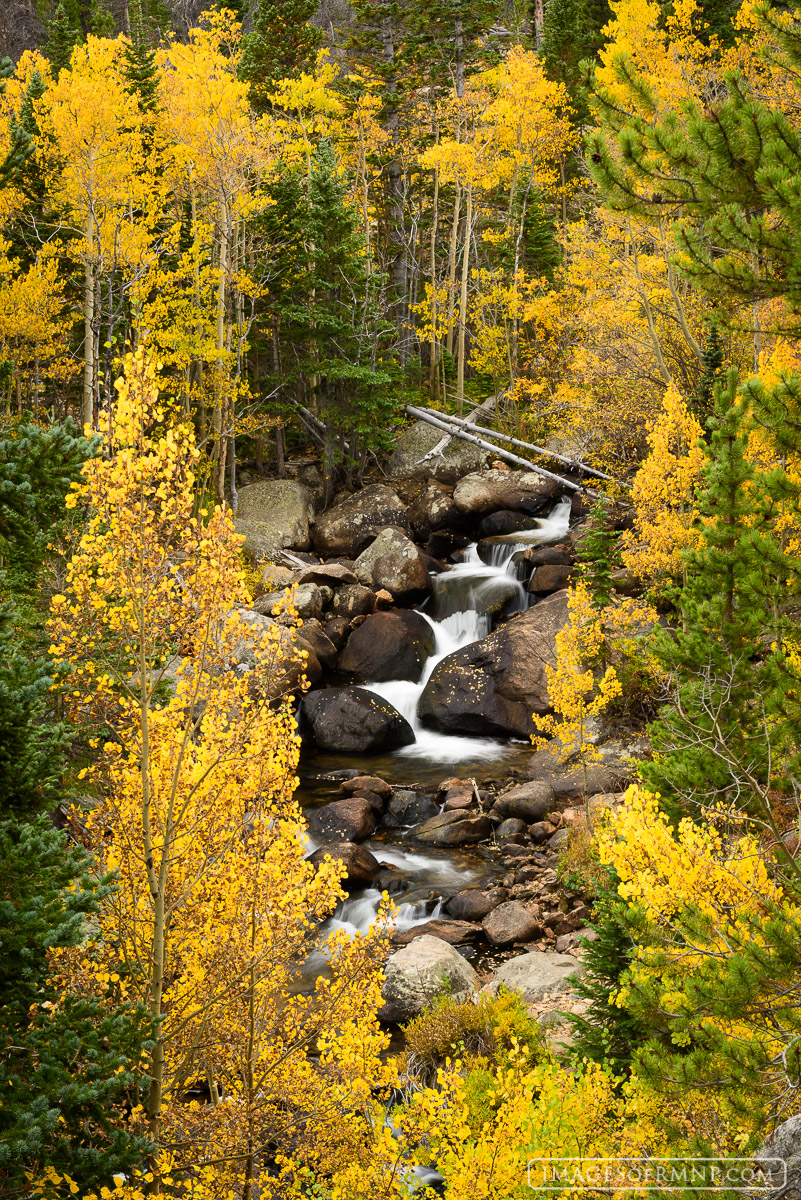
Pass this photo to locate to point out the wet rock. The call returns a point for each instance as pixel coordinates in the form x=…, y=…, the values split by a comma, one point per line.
x=488, y=491
x=312, y=635
x=473, y=904
x=273, y=516
x=452, y=829
x=528, y=801
x=498, y=524
x=434, y=509
x=494, y=685
x=393, y=562
x=409, y=808
x=350, y=820
x=337, y=630
x=389, y=645
x=511, y=922
x=353, y=600
x=362, y=866
x=445, y=542
x=535, y=973
x=550, y=578
x=452, y=932
x=557, y=556
x=420, y=971
x=457, y=799
x=352, y=721
x=510, y=827
x=456, y=459
x=366, y=783
x=342, y=530
x=331, y=574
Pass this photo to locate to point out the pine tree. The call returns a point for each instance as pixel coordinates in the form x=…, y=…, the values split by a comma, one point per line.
x=63, y=35
x=732, y=167
x=606, y=1033
x=716, y=740
x=70, y=1065
x=333, y=343
x=571, y=39
x=282, y=45
x=101, y=21
x=598, y=554
x=711, y=363
x=141, y=72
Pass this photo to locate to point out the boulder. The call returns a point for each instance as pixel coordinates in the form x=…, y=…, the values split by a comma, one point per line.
x=499, y=524
x=350, y=820
x=487, y=491
x=274, y=516
x=434, y=509
x=528, y=801
x=275, y=578
x=305, y=598
x=550, y=577
x=456, y=828
x=494, y=685
x=313, y=637
x=511, y=827
x=511, y=922
x=353, y=721
x=359, y=784
x=779, y=1160
x=346, y=526
x=457, y=458
x=393, y=562
x=353, y=600
x=420, y=971
x=535, y=973
x=445, y=542
x=551, y=556
x=389, y=645
x=283, y=643
x=337, y=630
x=409, y=808
x=473, y=904
x=455, y=933
x=333, y=575
x=361, y=865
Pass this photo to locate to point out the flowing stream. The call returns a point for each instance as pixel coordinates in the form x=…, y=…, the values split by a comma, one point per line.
x=466, y=597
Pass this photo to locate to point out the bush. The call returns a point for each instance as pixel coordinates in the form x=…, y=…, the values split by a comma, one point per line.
x=578, y=868
x=481, y=1032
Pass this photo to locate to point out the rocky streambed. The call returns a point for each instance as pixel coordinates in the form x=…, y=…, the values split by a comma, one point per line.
x=430, y=610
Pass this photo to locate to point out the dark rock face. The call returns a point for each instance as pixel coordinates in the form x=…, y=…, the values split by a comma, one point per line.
x=389, y=645
x=343, y=529
x=354, y=600
x=444, y=542
x=474, y=905
x=488, y=491
x=550, y=578
x=350, y=820
x=498, y=524
x=409, y=808
x=337, y=630
x=353, y=721
x=529, y=802
x=511, y=922
x=456, y=828
x=493, y=686
x=313, y=637
x=362, y=866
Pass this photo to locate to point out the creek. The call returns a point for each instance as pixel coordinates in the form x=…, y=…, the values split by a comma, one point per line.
x=484, y=585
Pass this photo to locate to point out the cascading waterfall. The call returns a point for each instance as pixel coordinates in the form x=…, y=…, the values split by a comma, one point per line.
x=465, y=597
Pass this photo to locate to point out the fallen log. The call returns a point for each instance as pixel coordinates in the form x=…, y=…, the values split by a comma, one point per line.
x=464, y=423
x=438, y=450
x=422, y=415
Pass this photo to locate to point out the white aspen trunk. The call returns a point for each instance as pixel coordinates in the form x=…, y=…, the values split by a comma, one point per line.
x=88, y=411
x=460, y=366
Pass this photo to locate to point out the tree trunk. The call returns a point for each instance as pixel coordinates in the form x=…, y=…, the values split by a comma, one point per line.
x=87, y=412
x=460, y=366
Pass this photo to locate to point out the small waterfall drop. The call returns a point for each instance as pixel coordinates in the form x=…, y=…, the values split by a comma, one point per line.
x=465, y=598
